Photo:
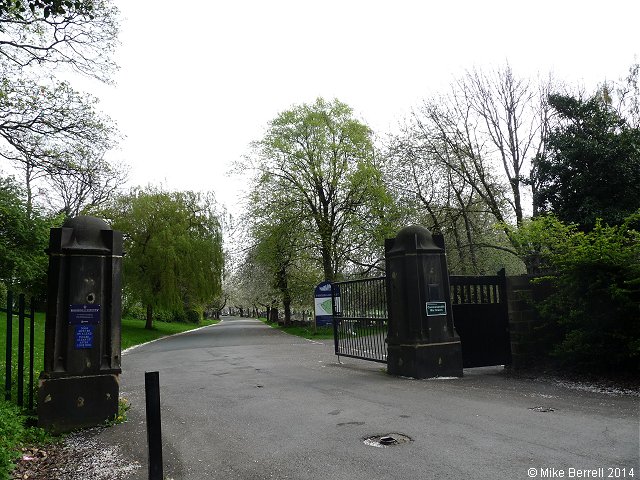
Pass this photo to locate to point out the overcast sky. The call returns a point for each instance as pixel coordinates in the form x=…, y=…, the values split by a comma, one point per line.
x=200, y=80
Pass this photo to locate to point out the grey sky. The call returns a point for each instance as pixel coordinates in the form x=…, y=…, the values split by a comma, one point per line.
x=200, y=80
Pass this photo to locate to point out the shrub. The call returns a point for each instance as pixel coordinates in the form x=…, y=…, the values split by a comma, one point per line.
x=193, y=316
x=596, y=298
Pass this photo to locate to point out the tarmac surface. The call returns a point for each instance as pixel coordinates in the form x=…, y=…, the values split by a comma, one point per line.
x=243, y=401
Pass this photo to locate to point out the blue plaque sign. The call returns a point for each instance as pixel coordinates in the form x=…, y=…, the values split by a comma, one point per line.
x=83, y=336
x=82, y=314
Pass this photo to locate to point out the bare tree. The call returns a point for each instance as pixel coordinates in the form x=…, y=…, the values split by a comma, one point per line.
x=39, y=121
x=80, y=34
x=466, y=157
x=53, y=132
x=508, y=110
x=89, y=185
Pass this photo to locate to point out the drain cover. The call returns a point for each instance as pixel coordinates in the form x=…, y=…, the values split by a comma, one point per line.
x=387, y=440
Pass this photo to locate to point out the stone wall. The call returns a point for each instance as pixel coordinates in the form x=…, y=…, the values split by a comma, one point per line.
x=523, y=295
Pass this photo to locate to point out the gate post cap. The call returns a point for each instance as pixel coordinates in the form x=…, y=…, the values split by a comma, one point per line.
x=414, y=238
x=87, y=231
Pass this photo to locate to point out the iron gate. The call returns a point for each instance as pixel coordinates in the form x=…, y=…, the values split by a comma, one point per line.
x=479, y=305
x=360, y=319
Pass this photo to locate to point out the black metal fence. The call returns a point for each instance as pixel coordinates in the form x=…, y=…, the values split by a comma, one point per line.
x=21, y=315
x=360, y=319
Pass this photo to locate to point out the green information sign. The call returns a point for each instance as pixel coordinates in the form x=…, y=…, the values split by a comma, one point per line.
x=436, y=308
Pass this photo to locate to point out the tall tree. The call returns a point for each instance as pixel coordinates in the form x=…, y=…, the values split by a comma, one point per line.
x=321, y=158
x=512, y=117
x=461, y=161
x=593, y=167
x=47, y=129
x=174, y=251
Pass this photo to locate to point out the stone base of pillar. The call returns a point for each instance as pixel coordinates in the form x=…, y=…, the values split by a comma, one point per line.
x=68, y=403
x=425, y=360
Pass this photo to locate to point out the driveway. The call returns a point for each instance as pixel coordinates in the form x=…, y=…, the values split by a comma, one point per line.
x=243, y=401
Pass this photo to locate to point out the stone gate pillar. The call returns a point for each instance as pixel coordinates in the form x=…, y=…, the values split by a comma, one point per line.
x=422, y=341
x=79, y=386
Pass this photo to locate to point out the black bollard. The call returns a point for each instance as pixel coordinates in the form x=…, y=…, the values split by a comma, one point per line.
x=154, y=429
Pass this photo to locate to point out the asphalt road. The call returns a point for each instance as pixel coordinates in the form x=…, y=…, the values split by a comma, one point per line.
x=243, y=401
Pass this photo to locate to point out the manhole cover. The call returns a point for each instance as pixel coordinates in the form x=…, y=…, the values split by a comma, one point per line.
x=387, y=440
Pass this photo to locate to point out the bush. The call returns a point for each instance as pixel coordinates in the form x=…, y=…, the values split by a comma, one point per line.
x=596, y=299
x=193, y=316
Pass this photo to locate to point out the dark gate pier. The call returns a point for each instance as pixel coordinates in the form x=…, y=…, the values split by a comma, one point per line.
x=422, y=341
x=79, y=386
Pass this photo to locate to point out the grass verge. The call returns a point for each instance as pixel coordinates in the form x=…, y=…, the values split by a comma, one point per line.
x=16, y=431
x=134, y=333
x=319, y=333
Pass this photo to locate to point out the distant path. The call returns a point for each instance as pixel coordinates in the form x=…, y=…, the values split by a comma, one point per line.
x=243, y=401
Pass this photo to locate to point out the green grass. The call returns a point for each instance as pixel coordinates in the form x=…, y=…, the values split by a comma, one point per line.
x=321, y=333
x=15, y=431
x=134, y=333
x=38, y=350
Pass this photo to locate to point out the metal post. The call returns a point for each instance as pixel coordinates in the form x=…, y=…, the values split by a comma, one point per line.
x=9, y=353
x=154, y=430
x=31, y=339
x=21, y=350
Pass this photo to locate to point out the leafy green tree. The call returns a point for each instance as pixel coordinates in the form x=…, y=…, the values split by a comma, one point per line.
x=592, y=169
x=539, y=240
x=23, y=240
x=282, y=250
x=173, y=245
x=319, y=161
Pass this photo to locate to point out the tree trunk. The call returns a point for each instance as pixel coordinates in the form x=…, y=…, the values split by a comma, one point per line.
x=274, y=314
x=287, y=310
x=149, y=324
x=326, y=264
